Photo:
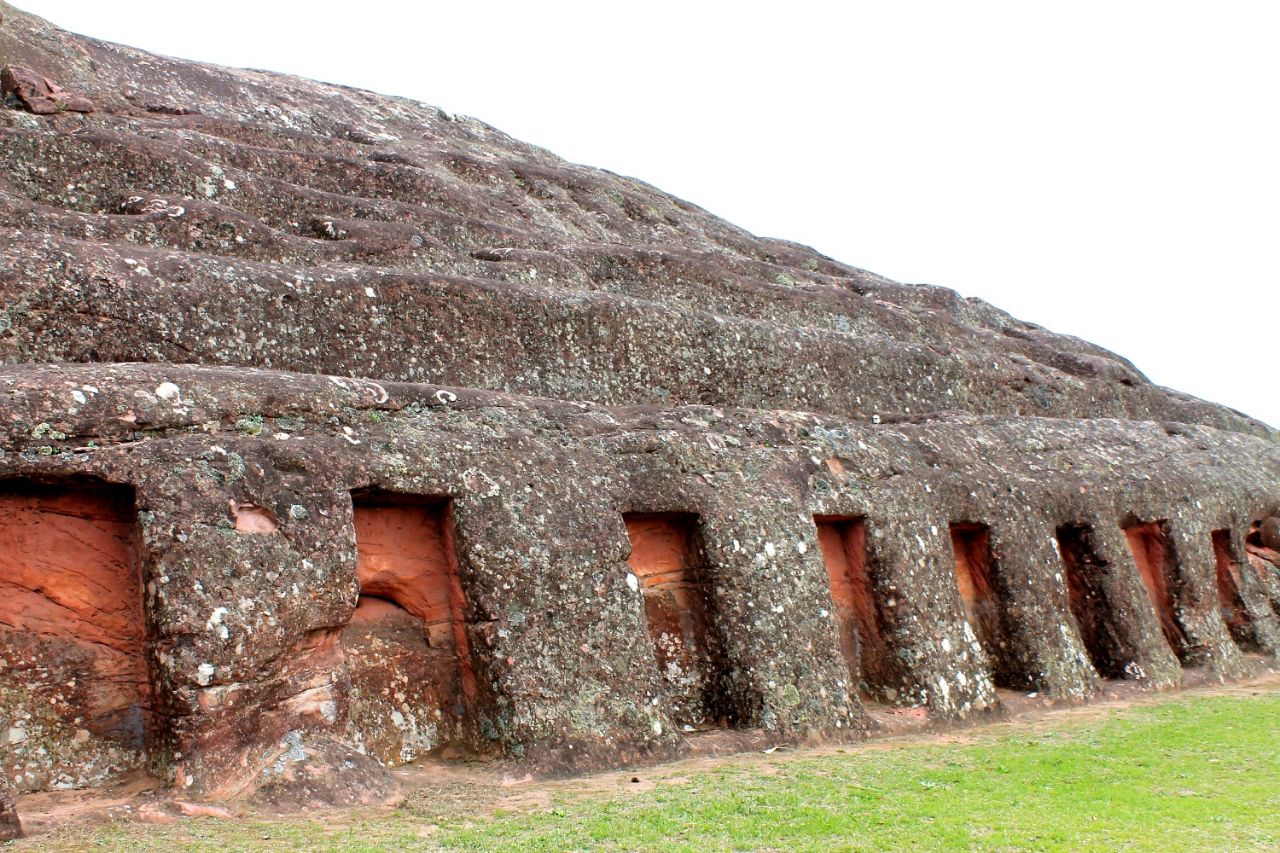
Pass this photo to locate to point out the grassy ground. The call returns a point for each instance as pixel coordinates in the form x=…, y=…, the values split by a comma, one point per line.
x=1188, y=772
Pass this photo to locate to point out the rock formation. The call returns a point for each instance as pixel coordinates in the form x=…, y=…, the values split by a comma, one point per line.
x=338, y=432
x=10, y=824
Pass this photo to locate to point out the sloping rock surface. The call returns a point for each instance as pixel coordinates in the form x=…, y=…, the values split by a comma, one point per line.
x=244, y=218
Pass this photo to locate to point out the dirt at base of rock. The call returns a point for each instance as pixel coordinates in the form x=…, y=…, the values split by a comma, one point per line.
x=318, y=771
x=447, y=801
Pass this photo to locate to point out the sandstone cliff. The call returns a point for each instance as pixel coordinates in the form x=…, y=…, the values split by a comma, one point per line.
x=336, y=431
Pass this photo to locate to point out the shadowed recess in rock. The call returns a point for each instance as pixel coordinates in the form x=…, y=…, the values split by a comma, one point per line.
x=1158, y=567
x=1230, y=602
x=843, y=541
x=1096, y=619
x=73, y=668
x=980, y=589
x=414, y=685
x=666, y=557
x=1265, y=562
x=250, y=518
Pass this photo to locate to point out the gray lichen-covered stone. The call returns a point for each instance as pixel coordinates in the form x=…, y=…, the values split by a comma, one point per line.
x=10, y=824
x=539, y=489
x=330, y=427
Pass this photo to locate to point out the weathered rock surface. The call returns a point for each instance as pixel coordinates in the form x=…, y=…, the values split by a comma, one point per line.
x=336, y=432
x=306, y=227
x=39, y=94
x=303, y=772
x=10, y=824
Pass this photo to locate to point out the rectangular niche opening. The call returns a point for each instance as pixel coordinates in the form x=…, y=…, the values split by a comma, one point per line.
x=843, y=540
x=1230, y=603
x=1158, y=568
x=983, y=600
x=73, y=637
x=1096, y=620
x=1264, y=563
x=414, y=683
x=667, y=559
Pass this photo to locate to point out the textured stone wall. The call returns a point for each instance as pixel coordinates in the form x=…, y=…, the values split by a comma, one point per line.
x=10, y=823
x=256, y=633
x=74, y=684
x=337, y=431
x=414, y=684
x=859, y=600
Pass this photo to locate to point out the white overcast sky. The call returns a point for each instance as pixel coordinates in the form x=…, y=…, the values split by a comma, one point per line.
x=1107, y=169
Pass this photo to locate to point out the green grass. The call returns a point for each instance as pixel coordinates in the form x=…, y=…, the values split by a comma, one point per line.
x=1184, y=773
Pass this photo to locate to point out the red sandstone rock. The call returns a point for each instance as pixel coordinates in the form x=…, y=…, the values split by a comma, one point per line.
x=71, y=626
x=413, y=671
x=188, y=809
x=158, y=814
x=1271, y=555
x=1158, y=568
x=39, y=94
x=986, y=601
x=168, y=811
x=1231, y=603
x=253, y=519
x=308, y=771
x=857, y=605
x=1269, y=533
x=388, y=398
x=666, y=559
x=1095, y=608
